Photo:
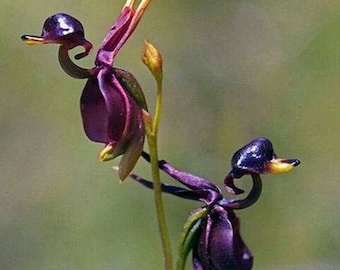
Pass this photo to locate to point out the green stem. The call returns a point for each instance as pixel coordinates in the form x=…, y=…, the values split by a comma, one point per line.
x=152, y=141
x=151, y=133
x=158, y=107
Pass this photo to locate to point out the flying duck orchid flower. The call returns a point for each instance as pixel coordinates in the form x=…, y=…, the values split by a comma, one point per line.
x=212, y=232
x=112, y=100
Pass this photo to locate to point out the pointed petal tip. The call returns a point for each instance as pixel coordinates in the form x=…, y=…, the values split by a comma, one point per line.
x=122, y=176
x=293, y=162
x=130, y=158
x=33, y=40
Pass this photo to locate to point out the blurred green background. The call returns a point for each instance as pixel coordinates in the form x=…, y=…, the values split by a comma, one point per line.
x=234, y=70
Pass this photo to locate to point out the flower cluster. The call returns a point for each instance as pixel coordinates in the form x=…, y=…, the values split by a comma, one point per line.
x=114, y=112
x=213, y=231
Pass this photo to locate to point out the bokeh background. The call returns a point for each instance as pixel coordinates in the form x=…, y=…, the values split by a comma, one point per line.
x=234, y=70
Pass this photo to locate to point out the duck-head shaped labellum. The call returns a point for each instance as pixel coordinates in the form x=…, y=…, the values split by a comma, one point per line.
x=253, y=157
x=67, y=31
x=256, y=157
x=62, y=29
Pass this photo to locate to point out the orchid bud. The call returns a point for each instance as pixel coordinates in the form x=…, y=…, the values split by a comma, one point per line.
x=152, y=58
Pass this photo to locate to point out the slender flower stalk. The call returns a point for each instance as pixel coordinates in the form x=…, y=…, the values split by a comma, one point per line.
x=153, y=60
x=163, y=230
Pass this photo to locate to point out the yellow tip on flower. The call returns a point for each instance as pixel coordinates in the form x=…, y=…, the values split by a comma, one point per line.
x=152, y=58
x=277, y=166
x=33, y=40
x=142, y=7
x=107, y=153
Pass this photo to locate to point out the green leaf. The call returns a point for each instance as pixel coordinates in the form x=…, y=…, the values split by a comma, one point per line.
x=189, y=236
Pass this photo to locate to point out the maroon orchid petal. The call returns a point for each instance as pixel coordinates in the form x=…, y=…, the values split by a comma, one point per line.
x=220, y=246
x=226, y=245
x=221, y=240
x=94, y=112
x=208, y=192
x=118, y=105
x=106, y=109
x=243, y=255
x=111, y=116
x=120, y=32
x=134, y=146
x=109, y=48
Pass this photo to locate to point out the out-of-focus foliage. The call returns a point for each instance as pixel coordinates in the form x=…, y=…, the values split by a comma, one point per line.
x=234, y=70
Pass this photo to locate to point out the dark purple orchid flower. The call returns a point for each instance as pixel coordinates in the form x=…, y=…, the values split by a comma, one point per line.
x=213, y=231
x=112, y=101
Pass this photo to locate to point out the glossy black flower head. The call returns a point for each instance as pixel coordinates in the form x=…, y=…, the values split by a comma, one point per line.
x=257, y=157
x=67, y=31
x=112, y=100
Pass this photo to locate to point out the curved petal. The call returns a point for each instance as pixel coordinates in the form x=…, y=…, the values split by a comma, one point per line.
x=130, y=83
x=112, y=116
x=94, y=112
x=220, y=246
x=135, y=145
x=221, y=241
x=70, y=67
x=118, y=105
x=118, y=32
x=249, y=200
x=243, y=255
x=104, y=108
